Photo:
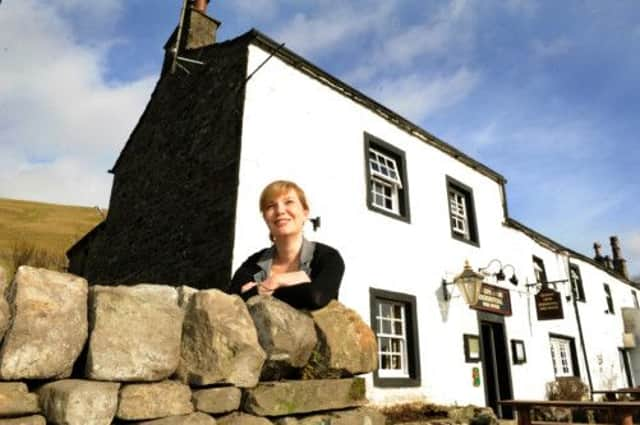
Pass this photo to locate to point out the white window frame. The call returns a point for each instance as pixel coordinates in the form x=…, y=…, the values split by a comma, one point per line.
x=384, y=162
x=611, y=309
x=577, y=285
x=403, y=370
x=539, y=270
x=391, y=180
x=378, y=195
x=459, y=213
x=561, y=356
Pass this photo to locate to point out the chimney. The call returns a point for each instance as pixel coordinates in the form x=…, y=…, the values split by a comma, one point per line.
x=607, y=262
x=619, y=263
x=597, y=247
x=195, y=30
x=199, y=29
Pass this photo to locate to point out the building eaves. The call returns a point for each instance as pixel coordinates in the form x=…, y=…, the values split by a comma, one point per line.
x=559, y=248
x=346, y=90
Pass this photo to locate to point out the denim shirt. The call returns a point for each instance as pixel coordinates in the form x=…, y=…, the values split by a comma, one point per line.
x=266, y=259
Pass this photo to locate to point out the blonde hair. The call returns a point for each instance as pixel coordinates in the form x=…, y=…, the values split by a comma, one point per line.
x=279, y=187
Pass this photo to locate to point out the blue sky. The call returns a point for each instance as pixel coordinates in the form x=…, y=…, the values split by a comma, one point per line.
x=546, y=93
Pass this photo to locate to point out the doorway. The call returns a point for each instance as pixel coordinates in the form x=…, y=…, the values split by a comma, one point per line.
x=495, y=363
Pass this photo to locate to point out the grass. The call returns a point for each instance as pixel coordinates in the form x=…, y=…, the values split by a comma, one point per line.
x=48, y=228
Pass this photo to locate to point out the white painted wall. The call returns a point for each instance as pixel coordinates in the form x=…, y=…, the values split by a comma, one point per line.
x=299, y=129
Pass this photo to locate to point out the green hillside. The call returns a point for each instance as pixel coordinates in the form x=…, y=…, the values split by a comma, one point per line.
x=47, y=229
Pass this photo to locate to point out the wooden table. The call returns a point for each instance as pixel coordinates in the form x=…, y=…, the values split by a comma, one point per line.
x=622, y=410
x=611, y=395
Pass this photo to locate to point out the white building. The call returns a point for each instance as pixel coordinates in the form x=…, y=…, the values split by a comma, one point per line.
x=404, y=230
x=406, y=210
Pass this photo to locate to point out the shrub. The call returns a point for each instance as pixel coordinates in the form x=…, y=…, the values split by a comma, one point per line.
x=569, y=388
x=25, y=253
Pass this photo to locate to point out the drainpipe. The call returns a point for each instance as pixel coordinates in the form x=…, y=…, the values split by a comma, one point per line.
x=574, y=297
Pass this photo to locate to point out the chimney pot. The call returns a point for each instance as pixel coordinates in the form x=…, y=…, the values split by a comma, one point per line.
x=615, y=247
x=619, y=263
x=597, y=247
x=201, y=6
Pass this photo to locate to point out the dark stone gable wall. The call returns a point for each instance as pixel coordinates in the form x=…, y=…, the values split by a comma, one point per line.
x=172, y=210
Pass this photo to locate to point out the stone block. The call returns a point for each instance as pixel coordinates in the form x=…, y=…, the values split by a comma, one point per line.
x=184, y=295
x=79, y=402
x=25, y=420
x=295, y=397
x=16, y=400
x=49, y=325
x=238, y=418
x=288, y=336
x=362, y=416
x=347, y=346
x=217, y=400
x=219, y=342
x=5, y=316
x=196, y=418
x=154, y=400
x=4, y=282
x=135, y=333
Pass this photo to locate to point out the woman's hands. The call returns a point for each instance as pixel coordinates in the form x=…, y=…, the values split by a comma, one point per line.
x=266, y=287
x=272, y=283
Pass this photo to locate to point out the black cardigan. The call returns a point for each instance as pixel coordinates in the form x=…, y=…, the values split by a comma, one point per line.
x=326, y=270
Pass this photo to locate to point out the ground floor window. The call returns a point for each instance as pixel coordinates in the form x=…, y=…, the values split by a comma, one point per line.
x=625, y=368
x=563, y=356
x=393, y=319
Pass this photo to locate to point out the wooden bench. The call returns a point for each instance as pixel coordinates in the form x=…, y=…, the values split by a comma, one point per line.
x=621, y=411
x=612, y=395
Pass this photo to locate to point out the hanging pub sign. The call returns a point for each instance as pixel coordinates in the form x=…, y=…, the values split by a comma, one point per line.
x=549, y=304
x=494, y=300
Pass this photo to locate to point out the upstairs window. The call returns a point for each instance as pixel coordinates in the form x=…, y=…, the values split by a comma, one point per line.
x=576, y=282
x=609, y=298
x=386, y=179
x=462, y=212
x=539, y=271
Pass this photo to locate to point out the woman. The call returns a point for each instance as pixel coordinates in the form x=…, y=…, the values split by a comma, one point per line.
x=304, y=274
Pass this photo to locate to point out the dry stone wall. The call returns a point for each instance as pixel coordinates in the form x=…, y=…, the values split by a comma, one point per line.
x=154, y=354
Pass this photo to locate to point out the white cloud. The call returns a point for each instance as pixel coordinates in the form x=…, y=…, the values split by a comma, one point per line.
x=526, y=7
x=558, y=47
x=451, y=25
x=255, y=9
x=72, y=180
x=485, y=136
x=63, y=124
x=415, y=96
x=335, y=22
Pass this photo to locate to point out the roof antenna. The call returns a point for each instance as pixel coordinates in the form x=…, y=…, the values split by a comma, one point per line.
x=176, y=57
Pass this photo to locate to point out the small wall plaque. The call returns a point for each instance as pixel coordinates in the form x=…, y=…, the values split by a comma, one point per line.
x=517, y=351
x=471, y=348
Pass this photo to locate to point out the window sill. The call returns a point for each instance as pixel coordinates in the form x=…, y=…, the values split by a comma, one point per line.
x=468, y=241
x=395, y=382
x=388, y=213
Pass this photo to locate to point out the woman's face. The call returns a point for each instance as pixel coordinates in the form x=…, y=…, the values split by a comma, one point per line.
x=285, y=214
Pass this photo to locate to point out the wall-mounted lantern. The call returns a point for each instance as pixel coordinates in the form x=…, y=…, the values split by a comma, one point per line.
x=500, y=274
x=469, y=284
